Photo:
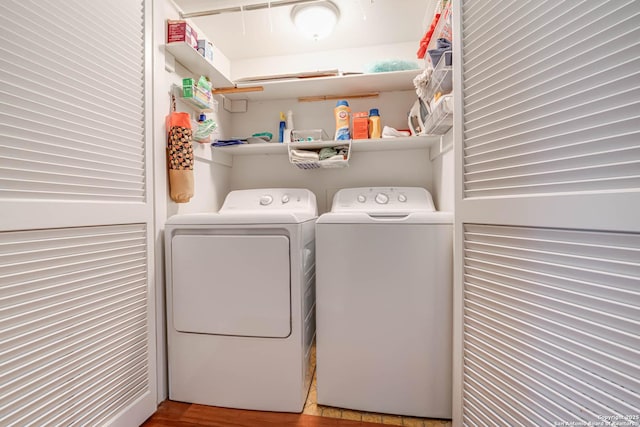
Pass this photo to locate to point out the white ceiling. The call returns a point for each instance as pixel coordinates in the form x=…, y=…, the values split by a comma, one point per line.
x=270, y=32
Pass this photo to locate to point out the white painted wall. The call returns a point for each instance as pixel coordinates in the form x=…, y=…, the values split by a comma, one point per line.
x=379, y=168
x=443, y=190
x=211, y=179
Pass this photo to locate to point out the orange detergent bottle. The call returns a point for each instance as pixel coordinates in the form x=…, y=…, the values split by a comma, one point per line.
x=375, y=127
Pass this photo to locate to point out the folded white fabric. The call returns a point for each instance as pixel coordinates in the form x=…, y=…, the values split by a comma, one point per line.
x=389, y=132
x=304, y=156
x=336, y=157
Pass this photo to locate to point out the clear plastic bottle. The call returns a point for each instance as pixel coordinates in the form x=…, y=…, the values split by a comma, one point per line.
x=342, y=112
x=198, y=133
x=375, y=127
x=288, y=127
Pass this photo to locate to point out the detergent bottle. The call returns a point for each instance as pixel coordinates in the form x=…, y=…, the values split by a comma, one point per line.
x=375, y=127
x=282, y=127
x=342, y=113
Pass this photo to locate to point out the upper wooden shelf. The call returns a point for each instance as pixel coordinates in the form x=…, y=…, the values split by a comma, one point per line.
x=332, y=87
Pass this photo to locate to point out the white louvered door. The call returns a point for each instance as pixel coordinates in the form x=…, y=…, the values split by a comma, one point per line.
x=547, y=284
x=77, y=332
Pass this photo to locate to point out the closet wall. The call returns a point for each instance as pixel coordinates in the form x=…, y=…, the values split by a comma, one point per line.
x=218, y=171
x=400, y=167
x=211, y=180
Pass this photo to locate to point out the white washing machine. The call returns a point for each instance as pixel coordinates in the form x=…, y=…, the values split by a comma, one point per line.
x=384, y=303
x=240, y=301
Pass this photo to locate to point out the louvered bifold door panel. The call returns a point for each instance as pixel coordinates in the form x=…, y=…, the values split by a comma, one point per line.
x=73, y=324
x=551, y=326
x=551, y=97
x=71, y=101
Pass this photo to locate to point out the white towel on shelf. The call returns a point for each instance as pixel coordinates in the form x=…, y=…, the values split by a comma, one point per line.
x=389, y=132
x=336, y=157
x=304, y=156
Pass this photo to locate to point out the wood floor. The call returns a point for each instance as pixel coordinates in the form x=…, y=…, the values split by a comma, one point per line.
x=177, y=414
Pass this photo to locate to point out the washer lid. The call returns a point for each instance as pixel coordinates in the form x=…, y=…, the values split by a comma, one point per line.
x=384, y=201
x=421, y=218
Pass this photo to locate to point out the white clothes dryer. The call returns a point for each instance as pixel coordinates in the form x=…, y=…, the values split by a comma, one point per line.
x=384, y=303
x=240, y=301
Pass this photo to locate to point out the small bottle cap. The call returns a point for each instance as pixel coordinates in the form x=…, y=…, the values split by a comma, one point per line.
x=342, y=102
x=374, y=112
x=202, y=118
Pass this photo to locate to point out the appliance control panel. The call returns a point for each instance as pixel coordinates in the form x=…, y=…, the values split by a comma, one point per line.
x=272, y=199
x=383, y=200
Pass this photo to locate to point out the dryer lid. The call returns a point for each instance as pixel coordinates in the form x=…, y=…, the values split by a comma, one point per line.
x=297, y=204
x=258, y=206
x=240, y=218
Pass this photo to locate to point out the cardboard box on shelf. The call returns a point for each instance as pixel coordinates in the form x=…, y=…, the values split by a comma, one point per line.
x=205, y=48
x=181, y=31
x=187, y=88
x=360, y=125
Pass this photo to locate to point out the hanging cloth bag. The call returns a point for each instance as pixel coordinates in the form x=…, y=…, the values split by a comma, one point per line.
x=180, y=156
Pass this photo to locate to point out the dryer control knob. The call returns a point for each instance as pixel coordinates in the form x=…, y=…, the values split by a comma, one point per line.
x=285, y=199
x=362, y=198
x=266, y=200
x=382, y=198
x=402, y=198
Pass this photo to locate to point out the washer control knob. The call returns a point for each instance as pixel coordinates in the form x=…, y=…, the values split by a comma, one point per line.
x=362, y=198
x=402, y=198
x=382, y=198
x=285, y=199
x=266, y=200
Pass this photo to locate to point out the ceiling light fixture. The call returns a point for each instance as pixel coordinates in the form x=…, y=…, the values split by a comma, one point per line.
x=315, y=20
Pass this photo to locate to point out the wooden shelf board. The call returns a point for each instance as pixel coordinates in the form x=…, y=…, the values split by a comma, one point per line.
x=334, y=86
